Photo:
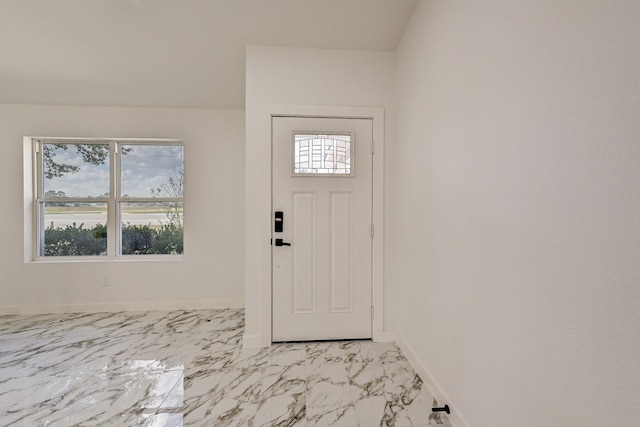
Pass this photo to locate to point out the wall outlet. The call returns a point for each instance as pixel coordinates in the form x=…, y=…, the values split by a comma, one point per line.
x=106, y=280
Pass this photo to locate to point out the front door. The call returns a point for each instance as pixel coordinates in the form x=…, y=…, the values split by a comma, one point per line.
x=321, y=228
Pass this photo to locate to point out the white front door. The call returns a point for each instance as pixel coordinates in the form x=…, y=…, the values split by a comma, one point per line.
x=322, y=203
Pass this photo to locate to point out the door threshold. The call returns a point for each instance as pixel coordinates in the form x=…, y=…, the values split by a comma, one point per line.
x=324, y=341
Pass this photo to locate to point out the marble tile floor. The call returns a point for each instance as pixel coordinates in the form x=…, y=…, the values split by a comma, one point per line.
x=187, y=368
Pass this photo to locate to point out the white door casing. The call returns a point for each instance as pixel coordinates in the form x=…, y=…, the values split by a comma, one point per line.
x=322, y=283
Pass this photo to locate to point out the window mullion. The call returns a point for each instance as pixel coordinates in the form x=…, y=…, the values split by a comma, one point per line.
x=151, y=199
x=38, y=206
x=113, y=245
x=39, y=167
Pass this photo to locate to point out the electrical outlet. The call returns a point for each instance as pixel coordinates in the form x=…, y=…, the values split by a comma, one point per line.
x=106, y=280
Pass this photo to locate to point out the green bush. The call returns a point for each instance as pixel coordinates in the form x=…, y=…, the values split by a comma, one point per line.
x=73, y=240
x=143, y=239
x=168, y=240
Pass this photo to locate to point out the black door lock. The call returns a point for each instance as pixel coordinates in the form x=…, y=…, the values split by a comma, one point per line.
x=278, y=221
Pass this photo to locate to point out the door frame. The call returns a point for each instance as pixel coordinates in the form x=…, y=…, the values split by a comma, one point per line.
x=258, y=212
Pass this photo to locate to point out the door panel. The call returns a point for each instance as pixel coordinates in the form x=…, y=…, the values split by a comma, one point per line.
x=303, y=261
x=341, y=262
x=322, y=281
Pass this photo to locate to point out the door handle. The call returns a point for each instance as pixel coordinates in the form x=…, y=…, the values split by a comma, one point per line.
x=279, y=242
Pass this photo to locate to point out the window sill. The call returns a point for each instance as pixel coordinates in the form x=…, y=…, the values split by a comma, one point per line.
x=127, y=258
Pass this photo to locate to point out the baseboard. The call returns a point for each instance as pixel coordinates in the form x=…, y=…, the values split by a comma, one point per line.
x=252, y=341
x=122, y=306
x=456, y=419
x=385, y=336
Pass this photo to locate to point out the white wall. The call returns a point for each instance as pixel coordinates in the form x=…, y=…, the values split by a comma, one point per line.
x=514, y=243
x=211, y=273
x=278, y=78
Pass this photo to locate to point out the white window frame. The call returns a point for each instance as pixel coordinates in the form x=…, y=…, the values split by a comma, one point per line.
x=114, y=220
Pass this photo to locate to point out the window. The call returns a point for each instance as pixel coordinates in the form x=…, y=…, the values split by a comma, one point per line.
x=322, y=154
x=108, y=198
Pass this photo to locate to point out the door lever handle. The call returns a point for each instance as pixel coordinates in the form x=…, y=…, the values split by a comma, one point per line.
x=279, y=242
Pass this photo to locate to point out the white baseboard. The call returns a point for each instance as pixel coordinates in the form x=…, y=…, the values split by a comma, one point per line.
x=122, y=306
x=252, y=341
x=456, y=419
x=385, y=336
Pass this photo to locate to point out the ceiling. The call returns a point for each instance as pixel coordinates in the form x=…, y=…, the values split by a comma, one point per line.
x=170, y=53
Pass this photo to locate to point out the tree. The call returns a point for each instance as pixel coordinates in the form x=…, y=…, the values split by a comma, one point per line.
x=96, y=154
x=54, y=193
x=173, y=188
